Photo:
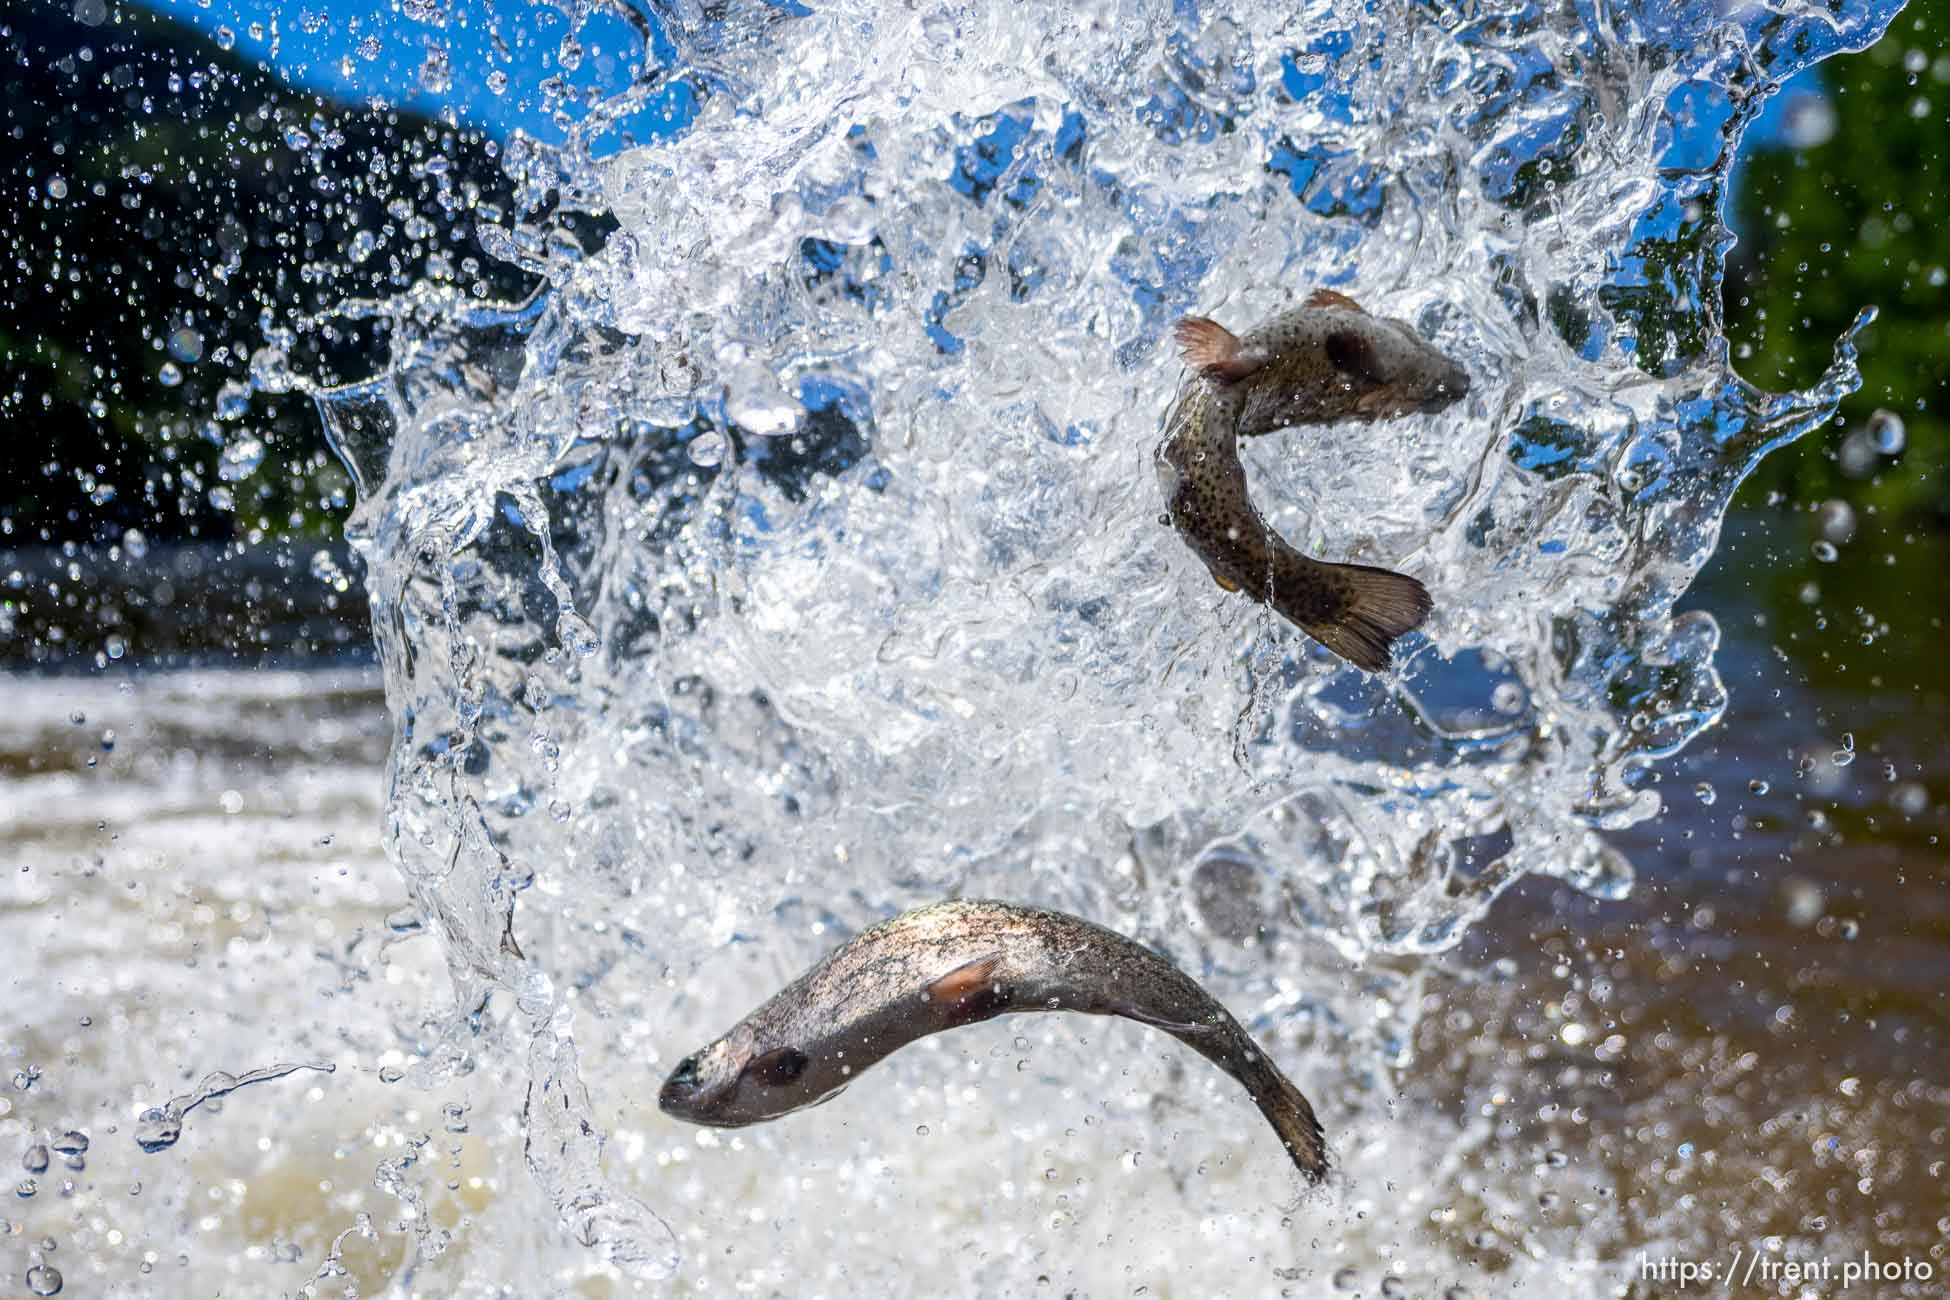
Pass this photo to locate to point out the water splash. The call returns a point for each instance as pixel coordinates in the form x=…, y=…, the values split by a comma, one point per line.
x=795, y=554
x=160, y=1127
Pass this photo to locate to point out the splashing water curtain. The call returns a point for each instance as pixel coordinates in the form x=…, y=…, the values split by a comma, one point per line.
x=795, y=557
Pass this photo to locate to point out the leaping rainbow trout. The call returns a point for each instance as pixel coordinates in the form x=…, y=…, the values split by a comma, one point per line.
x=959, y=963
x=1324, y=361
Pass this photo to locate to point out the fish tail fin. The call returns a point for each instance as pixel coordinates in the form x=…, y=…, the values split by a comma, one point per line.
x=1380, y=605
x=1292, y=1116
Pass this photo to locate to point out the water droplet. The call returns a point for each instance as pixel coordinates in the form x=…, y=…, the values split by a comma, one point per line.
x=240, y=459
x=369, y=48
x=707, y=449
x=436, y=75
x=1886, y=432
x=325, y=568
x=922, y=1130
x=26, y=1188
x=1805, y=902
x=1705, y=793
x=170, y=375
x=226, y=39
x=271, y=370
x=497, y=82
x=70, y=1143
x=1836, y=520
x=849, y=221
x=1347, y=1279
x=1857, y=457
x=391, y=1074
x=44, y=1279
x=576, y=634
x=57, y=188
x=755, y=401
x=1757, y=786
x=1824, y=551
x=134, y=544
x=158, y=1128
x=34, y=1159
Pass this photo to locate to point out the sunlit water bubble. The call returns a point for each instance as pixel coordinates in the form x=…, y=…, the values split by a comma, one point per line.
x=674, y=734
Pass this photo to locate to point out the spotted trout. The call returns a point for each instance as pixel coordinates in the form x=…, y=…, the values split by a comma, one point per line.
x=953, y=964
x=1324, y=361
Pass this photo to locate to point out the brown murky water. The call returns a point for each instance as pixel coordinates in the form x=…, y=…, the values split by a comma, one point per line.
x=1751, y=1052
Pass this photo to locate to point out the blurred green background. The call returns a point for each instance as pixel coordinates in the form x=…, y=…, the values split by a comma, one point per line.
x=1855, y=217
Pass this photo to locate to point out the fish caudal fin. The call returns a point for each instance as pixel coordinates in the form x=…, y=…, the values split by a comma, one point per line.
x=1292, y=1117
x=1380, y=605
x=1211, y=349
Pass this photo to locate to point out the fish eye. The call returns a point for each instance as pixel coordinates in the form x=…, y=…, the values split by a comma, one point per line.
x=686, y=1071
x=777, y=1068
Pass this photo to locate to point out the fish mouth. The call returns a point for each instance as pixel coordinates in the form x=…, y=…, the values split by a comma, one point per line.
x=1453, y=388
x=1388, y=403
x=684, y=1094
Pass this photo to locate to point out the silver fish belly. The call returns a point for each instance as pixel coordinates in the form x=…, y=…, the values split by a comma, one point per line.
x=959, y=963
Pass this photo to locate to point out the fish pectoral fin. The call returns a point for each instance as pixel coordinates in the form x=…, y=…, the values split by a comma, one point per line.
x=970, y=992
x=1213, y=350
x=1177, y=1028
x=1226, y=584
x=1332, y=298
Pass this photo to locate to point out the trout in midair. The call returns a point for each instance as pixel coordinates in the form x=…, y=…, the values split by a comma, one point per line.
x=1326, y=360
x=953, y=964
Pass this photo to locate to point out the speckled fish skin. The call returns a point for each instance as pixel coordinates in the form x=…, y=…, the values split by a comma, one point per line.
x=1326, y=361
x=953, y=964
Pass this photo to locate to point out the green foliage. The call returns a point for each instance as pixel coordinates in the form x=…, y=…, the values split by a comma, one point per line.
x=1861, y=218
x=173, y=208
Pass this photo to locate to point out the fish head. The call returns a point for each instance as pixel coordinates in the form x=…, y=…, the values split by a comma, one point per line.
x=744, y=1079
x=1391, y=370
